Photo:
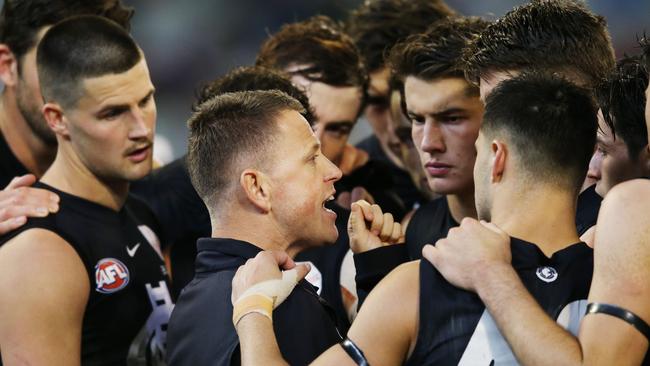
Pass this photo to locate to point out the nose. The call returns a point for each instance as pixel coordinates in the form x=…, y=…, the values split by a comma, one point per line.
x=432, y=139
x=142, y=126
x=595, y=166
x=333, y=173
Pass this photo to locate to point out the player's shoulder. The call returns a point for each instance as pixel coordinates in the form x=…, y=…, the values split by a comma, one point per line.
x=42, y=258
x=38, y=245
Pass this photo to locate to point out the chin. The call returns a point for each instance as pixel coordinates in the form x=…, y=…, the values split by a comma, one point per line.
x=330, y=238
x=138, y=173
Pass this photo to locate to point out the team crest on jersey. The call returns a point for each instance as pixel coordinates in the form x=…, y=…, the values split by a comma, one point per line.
x=111, y=275
x=546, y=274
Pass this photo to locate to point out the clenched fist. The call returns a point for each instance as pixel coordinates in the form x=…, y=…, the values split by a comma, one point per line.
x=370, y=228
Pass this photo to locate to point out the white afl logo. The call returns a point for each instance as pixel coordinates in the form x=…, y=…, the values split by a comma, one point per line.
x=546, y=274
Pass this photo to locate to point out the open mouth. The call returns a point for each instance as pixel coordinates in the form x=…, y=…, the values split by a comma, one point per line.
x=329, y=199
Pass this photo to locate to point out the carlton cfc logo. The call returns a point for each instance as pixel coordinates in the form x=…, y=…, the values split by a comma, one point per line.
x=111, y=275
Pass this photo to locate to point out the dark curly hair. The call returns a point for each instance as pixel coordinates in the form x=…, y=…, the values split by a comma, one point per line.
x=328, y=54
x=377, y=25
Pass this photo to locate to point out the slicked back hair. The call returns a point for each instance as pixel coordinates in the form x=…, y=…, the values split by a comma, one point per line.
x=78, y=48
x=21, y=20
x=229, y=131
x=438, y=52
x=560, y=36
x=254, y=78
x=551, y=124
x=319, y=43
x=621, y=99
x=377, y=25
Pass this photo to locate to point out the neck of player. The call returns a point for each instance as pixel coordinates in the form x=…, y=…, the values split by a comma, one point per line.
x=31, y=151
x=70, y=175
x=462, y=205
x=543, y=215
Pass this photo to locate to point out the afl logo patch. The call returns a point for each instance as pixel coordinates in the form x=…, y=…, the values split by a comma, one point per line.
x=110, y=275
x=546, y=274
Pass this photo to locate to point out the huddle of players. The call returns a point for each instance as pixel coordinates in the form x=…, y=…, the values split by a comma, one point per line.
x=102, y=113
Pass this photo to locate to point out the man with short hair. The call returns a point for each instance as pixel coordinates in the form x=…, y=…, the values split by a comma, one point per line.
x=414, y=316
x=258, y=167
x=110, y=277
x=27, y=145
x=376, y=26
x=169, y=191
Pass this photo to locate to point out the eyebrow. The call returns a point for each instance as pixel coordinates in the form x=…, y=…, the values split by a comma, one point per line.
x=600, y=140
x=122, y=107
x=338, y=124
x=442, y=113
x=313, y=149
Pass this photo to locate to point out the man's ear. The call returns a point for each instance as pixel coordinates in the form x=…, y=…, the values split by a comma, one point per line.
x=56, y=119
x=257, y=189
x=8, y=66
x=499, y=156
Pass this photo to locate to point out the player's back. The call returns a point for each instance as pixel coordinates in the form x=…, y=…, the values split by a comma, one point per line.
x=456, y=328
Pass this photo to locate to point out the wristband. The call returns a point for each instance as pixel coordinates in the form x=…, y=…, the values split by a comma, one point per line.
x=254, y=303
x=623, y=314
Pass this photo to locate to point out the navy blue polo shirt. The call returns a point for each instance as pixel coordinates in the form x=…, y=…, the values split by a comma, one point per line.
x=201, y=331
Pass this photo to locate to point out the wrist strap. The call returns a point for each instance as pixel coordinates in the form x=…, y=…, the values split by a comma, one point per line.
x=354, y=352
x=623, y=314
x=254, y=303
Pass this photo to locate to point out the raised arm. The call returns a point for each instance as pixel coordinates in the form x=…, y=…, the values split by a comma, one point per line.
x=44, y=288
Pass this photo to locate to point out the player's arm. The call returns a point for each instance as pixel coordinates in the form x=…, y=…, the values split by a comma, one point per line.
x=44, y=288
x=621, y=277
x=18, y=201
x=530, y=332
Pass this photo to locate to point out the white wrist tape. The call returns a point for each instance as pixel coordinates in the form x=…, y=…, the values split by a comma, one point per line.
x=265, y=296
x=278, y=290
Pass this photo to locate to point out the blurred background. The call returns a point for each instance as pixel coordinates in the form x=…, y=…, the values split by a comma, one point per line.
x=189, y=43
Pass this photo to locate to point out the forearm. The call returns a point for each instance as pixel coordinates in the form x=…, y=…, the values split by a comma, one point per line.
x=258, y=345
x=373, y=265
x=530, y=332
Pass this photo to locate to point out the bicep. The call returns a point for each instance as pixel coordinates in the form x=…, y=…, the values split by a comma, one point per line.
x=385, y=327
x=621, y=277
x=44, y=289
